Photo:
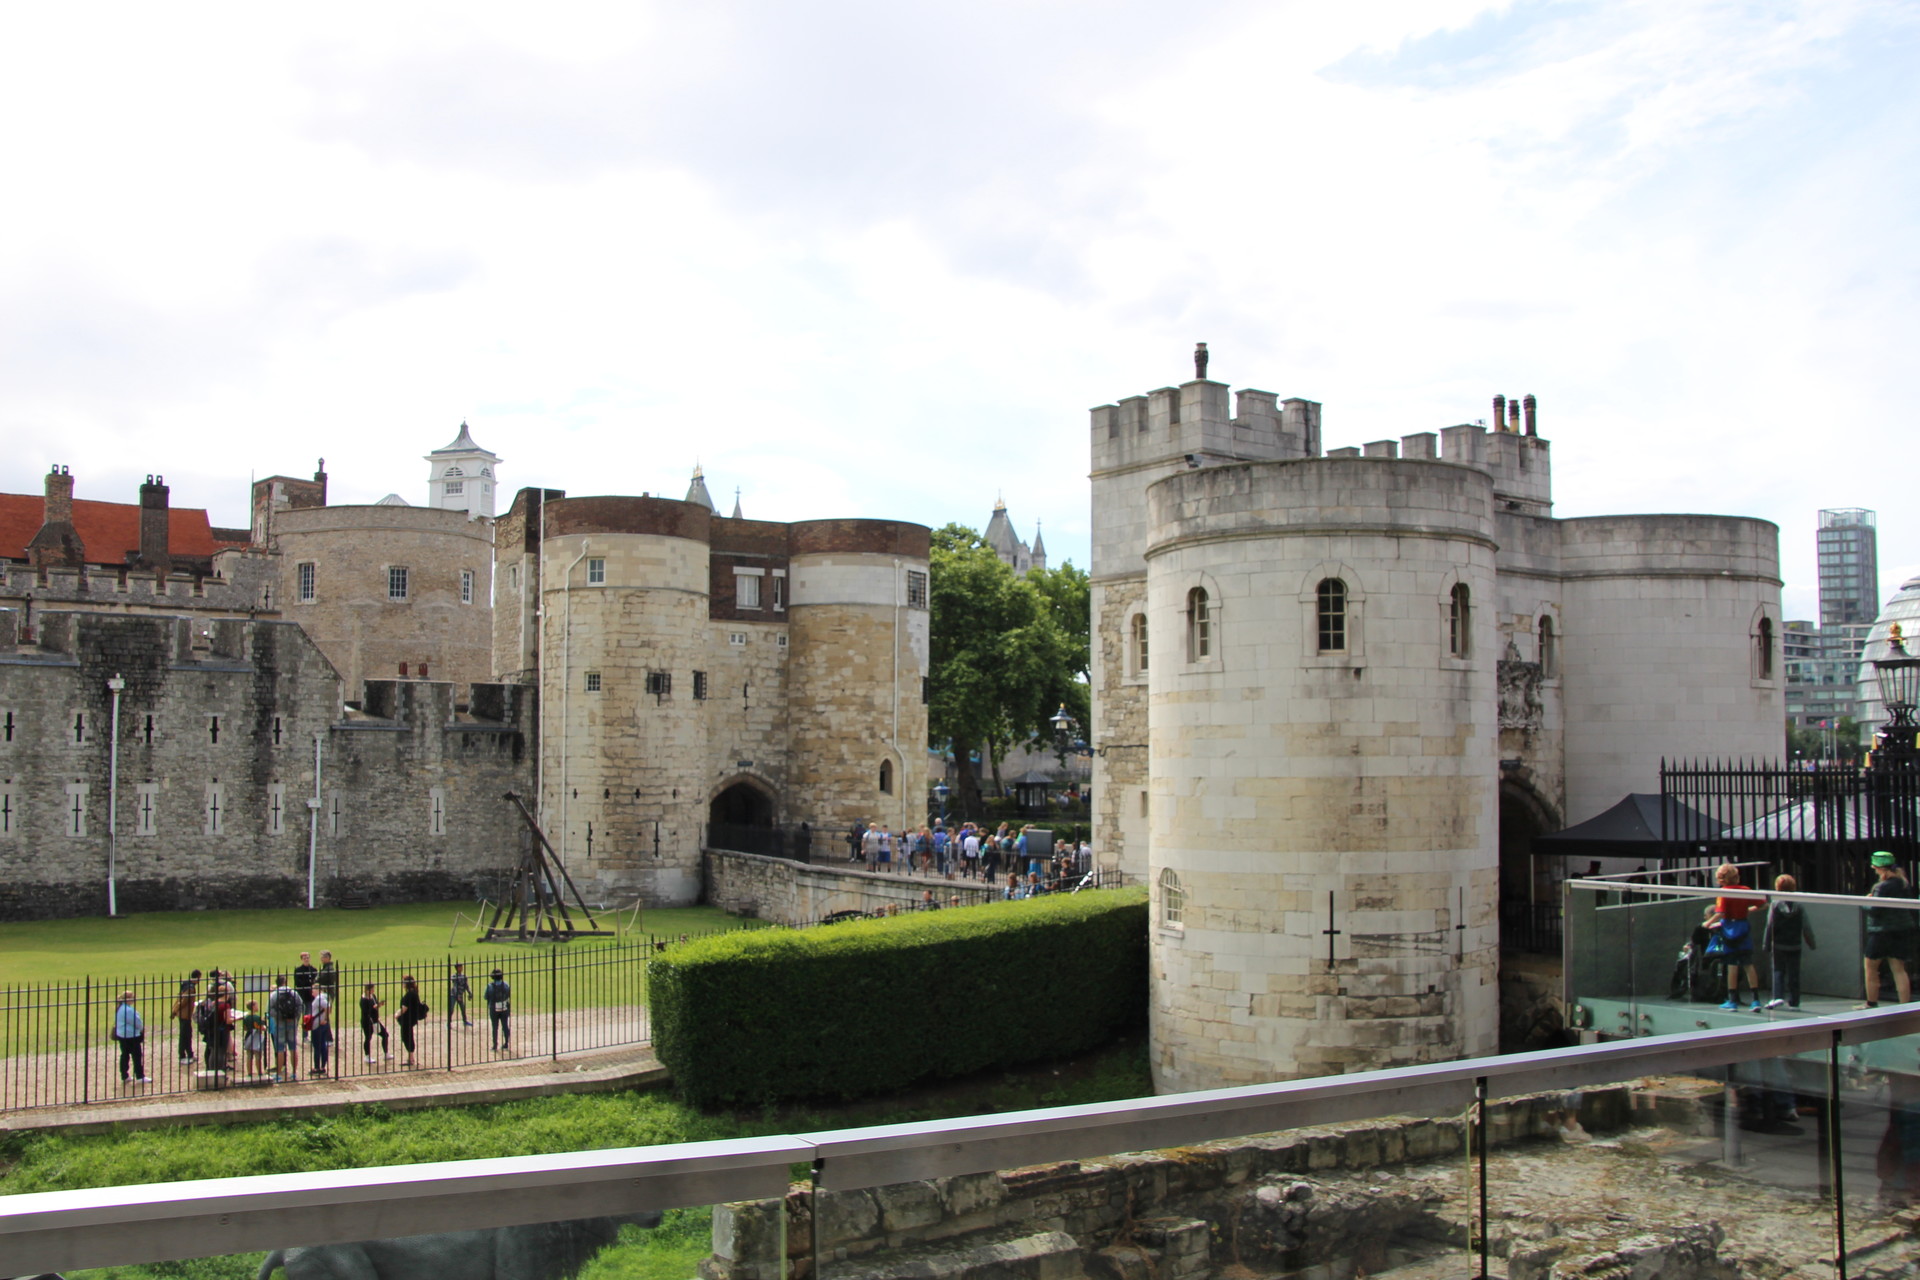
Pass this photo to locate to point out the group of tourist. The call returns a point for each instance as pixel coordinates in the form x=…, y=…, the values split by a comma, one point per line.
x=970, y=852
x=1890, y=937
x=299, y=1013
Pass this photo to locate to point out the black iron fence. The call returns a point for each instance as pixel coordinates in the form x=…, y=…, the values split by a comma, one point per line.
x=1818, y=823
x=1530, y=927
x=57, y=1046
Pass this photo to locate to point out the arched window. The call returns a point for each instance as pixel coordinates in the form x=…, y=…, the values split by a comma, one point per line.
x=1173, y=899
x=886, y=777
x=1199, y=625
x=1330, y=609
x=1139, y=644
x=1763, y=650
x=1549, y=648
x=1460, y=620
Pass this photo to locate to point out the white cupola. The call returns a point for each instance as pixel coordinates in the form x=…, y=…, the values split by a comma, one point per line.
x=461, y=477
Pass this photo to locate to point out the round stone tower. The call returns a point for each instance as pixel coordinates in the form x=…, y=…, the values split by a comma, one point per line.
x=624, y=757
x=1323, y=796
x=858, y=715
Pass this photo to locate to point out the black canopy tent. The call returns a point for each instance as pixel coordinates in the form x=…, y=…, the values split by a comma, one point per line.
x=1635, y=828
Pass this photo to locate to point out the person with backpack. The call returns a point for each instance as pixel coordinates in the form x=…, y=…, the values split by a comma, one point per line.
x=183, y=1014
x=130, y=1033
x=213, y=1019
x=285, y=1010
x=499, y=1001
x=413, y=1011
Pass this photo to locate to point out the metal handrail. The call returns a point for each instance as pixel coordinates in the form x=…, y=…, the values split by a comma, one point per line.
x=120, y=1225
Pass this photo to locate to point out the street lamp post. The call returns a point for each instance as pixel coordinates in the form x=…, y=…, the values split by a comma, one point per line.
x=940, y=792
x=114, y=686
x=1898, y=675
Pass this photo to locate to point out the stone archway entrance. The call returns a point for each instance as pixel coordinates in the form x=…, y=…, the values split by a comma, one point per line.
x=1527, y=899
x=741, y=805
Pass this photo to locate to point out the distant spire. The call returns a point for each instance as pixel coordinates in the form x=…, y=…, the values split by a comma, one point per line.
x=736, y=502
x=697, y=491
x=999, y=502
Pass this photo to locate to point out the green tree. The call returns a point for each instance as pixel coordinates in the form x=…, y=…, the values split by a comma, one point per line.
x=1069, y=598
x=1002, y=663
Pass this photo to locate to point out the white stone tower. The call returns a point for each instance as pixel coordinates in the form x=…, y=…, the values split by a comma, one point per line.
x=462, y=477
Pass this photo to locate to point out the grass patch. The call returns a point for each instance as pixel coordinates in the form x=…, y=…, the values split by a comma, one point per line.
x=171, y=943
x=367, y=1137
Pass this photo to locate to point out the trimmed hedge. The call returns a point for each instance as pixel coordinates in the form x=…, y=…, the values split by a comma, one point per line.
x=873, y=1006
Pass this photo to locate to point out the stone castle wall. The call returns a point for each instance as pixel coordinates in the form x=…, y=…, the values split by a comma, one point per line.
x=353, y=616
x=1324, y=829
x=1121, y=830
x=689, y=659
x=1288, y=783
x=216, y=765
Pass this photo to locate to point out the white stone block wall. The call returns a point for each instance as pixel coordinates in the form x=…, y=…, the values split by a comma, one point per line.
x=1659, y=643
x=1281, y=776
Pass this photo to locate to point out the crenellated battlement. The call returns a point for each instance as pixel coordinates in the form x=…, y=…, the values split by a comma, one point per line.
x=1193, y=424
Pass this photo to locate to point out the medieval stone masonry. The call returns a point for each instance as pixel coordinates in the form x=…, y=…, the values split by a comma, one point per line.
x=1330, y=689
x=216, y=756
x=697, y=669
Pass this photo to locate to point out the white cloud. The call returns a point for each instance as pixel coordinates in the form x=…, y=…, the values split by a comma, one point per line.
x=878, y=259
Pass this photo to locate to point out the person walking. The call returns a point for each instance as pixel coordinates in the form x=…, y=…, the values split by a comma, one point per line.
x=1890, y=931
x=371, y=1022
x=322, y=1016
x=413, y=1010
x=130, y=1033
x=458, y=990
x=499, y=1001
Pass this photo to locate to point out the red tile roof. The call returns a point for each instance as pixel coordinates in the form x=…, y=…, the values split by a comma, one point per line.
x=109, y=530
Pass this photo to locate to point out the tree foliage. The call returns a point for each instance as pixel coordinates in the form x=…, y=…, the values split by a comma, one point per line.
x=1007, y=652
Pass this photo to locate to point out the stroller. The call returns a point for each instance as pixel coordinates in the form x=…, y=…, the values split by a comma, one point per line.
x=1698, y=978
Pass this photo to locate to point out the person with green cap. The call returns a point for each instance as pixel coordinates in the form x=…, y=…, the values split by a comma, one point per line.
x=1889, y=931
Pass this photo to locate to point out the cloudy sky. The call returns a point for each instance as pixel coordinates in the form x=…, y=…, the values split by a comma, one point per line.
x=879, y=259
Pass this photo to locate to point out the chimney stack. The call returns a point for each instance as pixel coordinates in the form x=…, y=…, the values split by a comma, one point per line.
x=1513, y=415
x=59, y=508
x=153, y=524
x=57, y=545
x=1528, y=404
x=1499, y=413
x=320, y=478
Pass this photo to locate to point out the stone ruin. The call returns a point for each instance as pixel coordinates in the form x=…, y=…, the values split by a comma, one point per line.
x=1615, y=1182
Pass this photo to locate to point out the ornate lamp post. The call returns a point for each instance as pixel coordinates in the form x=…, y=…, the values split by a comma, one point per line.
x=940, y=792
x=1899, y=676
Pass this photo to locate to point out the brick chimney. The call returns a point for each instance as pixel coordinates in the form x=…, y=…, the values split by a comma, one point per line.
x=57, y=545
x=153, y=524
x=1527, y=404
x=1499, y=413
x=1513, y=415
x=320, y=478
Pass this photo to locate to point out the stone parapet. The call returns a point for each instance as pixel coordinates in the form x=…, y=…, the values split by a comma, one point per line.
x=1181, y=1211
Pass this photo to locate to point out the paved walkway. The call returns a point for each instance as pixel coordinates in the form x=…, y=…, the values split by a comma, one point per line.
x=629, y=1067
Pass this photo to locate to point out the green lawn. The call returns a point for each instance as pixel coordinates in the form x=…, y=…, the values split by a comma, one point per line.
x=172, y=943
